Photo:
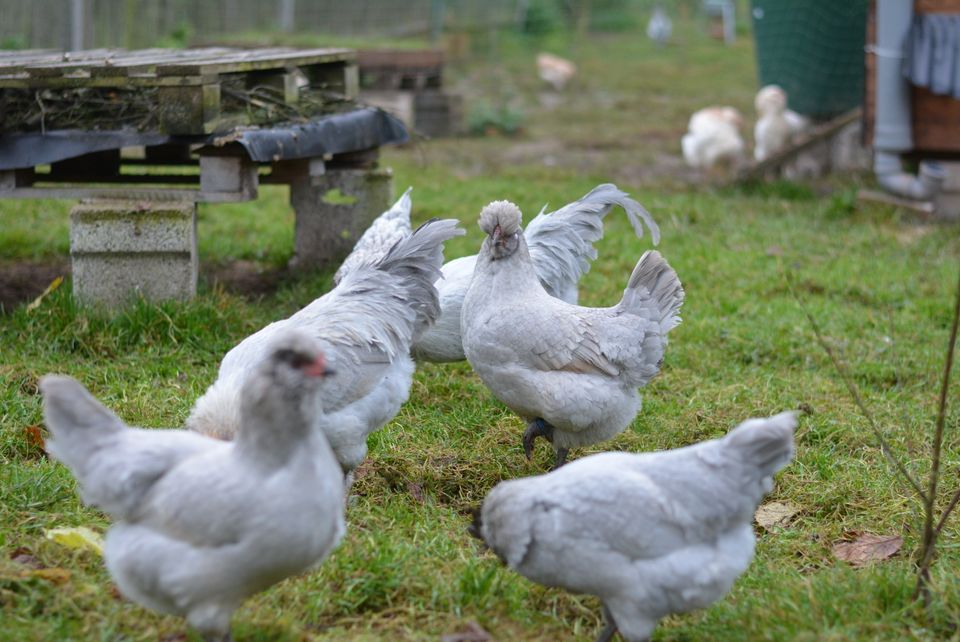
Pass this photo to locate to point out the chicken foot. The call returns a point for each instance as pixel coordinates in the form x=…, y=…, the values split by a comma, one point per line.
x=540, y=428
x=536, y=428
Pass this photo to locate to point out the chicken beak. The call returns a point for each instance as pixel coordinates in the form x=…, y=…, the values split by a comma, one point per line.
x=497, y=235
x=318, y=368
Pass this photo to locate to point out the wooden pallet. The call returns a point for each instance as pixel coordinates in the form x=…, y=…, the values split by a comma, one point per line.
x=188, y=81
x=401, y=70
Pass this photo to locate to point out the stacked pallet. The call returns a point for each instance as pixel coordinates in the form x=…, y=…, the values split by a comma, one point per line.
x=174, y=92
x=409, y=84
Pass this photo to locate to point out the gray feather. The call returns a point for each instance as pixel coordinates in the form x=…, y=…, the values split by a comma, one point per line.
x=654, y=282
x=561, y=242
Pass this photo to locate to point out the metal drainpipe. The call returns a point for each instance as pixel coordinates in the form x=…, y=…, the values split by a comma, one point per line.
x=892, y=131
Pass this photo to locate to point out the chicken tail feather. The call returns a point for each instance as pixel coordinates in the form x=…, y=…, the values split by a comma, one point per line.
x=655, y=283
x=418, y=258
x=766, y=444
x=75, y=419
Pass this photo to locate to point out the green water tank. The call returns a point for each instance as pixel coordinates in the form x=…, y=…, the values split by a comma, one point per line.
x=814, y=50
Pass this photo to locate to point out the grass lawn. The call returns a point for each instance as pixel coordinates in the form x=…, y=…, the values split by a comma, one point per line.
x=879, y=282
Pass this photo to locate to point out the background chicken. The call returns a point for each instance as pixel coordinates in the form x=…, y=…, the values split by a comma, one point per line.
x=555, y=70
x=571, y=372
x=776, y=125
x=203, y=524
x=713, y=138
x=561, y=247
x=649, y=534
x=365, y=326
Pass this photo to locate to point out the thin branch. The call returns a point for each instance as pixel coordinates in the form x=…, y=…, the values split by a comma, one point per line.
x=949, y=509
x=942, y=408
x=844, y=375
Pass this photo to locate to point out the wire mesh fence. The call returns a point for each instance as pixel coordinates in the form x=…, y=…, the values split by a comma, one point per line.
x=65, y=24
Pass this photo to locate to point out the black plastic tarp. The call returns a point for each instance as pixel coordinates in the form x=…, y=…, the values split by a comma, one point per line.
x=347, y=132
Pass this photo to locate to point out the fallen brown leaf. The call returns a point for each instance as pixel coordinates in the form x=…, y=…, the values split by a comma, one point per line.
x=774, y=514
x=24, y=557
x=868, y=548
x=774, y=250
x=473, y=633
x=54, y=575
x=34, y=437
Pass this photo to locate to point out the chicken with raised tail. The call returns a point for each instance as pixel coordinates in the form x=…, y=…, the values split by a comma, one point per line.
x=649, y=534
x=365, y=326
x=571, y=372
x=202, y=524
x=561, y=248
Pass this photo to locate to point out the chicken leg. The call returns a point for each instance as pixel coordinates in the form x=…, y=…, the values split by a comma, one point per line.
x=609, y=629
x=536, y=428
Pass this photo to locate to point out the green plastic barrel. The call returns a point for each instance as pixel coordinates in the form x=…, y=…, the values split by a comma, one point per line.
x=813, y=49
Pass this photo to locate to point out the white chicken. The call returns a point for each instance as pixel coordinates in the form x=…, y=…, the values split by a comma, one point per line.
x=561, y=247
x=571, y=372
x=365, y=326
x=383, y=233
x=660, y=27
x=202, y=524
x=554, y=70
x=713, y=139
x=649, y=534
x=772, y=132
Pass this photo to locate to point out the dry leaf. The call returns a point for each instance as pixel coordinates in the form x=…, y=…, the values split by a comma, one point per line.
x=79, y=537
x=55, y=575
x=868, y=548
x=34, y=438
x=24, y=557
x=473, y=633
x=33, y=305
x=774, y=250
x=774, y=514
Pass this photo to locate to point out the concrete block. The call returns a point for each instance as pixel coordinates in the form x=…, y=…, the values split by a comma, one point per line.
x=123, y=249
x=333, y=211
x=397, y=103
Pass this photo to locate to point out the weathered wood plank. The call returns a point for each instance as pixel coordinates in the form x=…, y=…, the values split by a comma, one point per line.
x=22, y=81
x=147, y=64
x=188, y=110
x=125, y=193
x=256, y=60
x=16, y=64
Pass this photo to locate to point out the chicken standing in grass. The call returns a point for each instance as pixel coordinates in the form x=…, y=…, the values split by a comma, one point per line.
x=776, y=125
x=713, y=139
x=203, y=524
x=561, y=248
x=649, y=534
x=571, y=372
x=365, y=326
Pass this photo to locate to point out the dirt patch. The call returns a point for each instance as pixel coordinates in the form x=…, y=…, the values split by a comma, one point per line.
x=248, y=279
x=23, y=281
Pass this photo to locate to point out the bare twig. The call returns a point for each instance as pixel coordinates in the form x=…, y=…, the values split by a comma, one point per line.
x=851, y=387
x=930, y=534
x=946, y=511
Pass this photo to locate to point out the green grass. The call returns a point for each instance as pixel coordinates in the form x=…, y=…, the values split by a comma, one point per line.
x=879, y=282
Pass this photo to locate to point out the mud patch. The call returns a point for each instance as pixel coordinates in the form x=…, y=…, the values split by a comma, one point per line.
x=23, y=281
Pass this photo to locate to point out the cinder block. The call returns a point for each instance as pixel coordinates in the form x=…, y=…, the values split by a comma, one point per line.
x=333, y=210
x=398, y=103
x=122, y=249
